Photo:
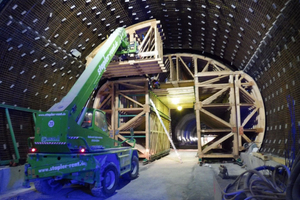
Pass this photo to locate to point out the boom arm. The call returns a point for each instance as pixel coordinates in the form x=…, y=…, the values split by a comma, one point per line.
x=77, y=97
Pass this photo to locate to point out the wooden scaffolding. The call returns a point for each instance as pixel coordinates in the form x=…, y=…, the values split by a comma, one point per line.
x=126, y=103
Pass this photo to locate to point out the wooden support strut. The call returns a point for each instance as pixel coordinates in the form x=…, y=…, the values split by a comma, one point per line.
x=216, y=118
x=134, y=101
x=217, y=142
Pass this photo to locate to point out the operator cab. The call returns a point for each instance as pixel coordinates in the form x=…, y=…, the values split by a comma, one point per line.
x=99, y=120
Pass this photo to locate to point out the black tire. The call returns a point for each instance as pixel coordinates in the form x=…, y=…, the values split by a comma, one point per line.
x=134, y=172
x=48, y=186
x=110, y=180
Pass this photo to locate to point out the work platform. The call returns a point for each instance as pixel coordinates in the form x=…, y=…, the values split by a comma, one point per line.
x=149, y=60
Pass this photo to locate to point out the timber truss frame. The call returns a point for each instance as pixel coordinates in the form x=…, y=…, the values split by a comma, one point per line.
x=229, y=103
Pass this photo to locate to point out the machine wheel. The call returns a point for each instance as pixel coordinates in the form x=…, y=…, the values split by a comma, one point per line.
x=48, y=186
x=134, y=172
x=110, y=180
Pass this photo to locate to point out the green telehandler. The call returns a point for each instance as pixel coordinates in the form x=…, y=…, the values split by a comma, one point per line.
x=72, y=142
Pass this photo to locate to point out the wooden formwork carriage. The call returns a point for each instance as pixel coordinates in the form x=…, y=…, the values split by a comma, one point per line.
x=126, y=103
x=228, y=102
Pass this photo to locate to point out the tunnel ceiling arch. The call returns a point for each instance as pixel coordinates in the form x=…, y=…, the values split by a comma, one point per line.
x=44, y=33
x=259, y=37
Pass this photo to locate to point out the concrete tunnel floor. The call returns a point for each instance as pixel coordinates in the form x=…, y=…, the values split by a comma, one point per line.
x=163, y=179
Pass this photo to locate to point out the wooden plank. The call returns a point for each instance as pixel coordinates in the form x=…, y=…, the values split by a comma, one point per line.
x=217, y=156
x=279, y=160
x=261, y=156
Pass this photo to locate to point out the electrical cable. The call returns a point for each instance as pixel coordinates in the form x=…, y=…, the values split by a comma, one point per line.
x=254, y=184
x=292, y=191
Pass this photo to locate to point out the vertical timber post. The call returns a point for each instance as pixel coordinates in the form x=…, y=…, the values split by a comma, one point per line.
x=113, y=109
x=233, y=120
x=116, y=112
x=197, y=107
x=147, y=121
x=238, y=108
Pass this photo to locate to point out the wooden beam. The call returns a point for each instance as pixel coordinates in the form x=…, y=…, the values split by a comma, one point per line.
x=186, y=67
x=246, y=138
x=104, y=102
x=131, y=80
x=215, y=130
x=217, y=86
x=147, y=124
x=213, y=80
x=215, y=144
x=216, y=118
x=238, y=108
x=197, y=109
x=217, y=156
x=246, y=93
x=215, y=66
x=246, y=120
x=133, y=91
x=131, y=121
x=135, y=132
x=132, y=100
x=133, y=86
x=216, y=73
x=130, y=109
x=143, y=45
x=214, y=96
x=206, y=66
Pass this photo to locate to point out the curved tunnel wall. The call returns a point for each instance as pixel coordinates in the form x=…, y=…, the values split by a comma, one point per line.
x=259, y=37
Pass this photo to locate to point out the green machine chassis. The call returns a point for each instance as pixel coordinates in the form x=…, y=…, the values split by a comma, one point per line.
x=72, y=143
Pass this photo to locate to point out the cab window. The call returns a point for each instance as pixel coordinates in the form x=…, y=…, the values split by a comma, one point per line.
x=87, y=121
x=100, y=120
